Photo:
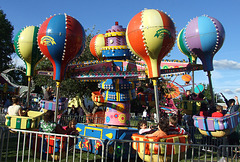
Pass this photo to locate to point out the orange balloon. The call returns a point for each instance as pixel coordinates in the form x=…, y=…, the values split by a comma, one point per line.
x=96, y=44
x=186, y=78
x=151, y=35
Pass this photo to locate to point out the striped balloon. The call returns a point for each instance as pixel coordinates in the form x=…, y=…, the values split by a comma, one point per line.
x=26, y=47
x=204, y=37
x=60, y=39
x=151, y=35
x=183, y=47
x=96, y=44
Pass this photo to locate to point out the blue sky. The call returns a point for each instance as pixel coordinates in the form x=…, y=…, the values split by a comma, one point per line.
x=103, y=14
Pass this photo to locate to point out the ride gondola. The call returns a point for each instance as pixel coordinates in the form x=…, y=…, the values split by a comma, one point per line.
x=156, y=151
x=217, y=126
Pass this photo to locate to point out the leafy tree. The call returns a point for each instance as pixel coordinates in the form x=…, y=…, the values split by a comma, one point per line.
x=207, y=94
x=6, y=50
x=6, y=46
x=83, y=89
x=42, y=80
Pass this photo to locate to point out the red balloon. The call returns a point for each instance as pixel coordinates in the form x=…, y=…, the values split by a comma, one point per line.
x=60, y=39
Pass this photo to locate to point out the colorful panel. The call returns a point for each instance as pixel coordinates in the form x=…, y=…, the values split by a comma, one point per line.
x=116, y=53
x=117, y=113
x=51, y=105
x=22, y=122
x=106, y=133
x=217, y=124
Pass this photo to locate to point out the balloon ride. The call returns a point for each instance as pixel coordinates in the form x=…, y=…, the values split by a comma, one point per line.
x=182, y=46
x=60, y=39
x=186, y=78
x=204, y=37
x=151, y=35
x=25, y=44
x=96, y=44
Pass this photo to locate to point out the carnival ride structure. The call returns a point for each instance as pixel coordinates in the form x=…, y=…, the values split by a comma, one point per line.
x=61, y=38
x=31, y=121
x=116, y=91
x=118, y=75
x=26, y=47
x=203, y=37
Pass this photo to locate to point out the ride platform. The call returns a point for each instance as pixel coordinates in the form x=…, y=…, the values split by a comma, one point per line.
x=106, y=133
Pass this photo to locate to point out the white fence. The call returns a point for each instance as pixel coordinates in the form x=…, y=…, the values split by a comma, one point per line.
x=22, y=145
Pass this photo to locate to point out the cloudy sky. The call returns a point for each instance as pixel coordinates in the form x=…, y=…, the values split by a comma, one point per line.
x=103, y=14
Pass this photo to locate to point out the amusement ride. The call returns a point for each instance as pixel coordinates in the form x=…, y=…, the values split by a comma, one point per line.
x=124, y=58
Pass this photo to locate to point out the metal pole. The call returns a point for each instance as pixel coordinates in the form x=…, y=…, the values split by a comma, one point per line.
x=193, y=62
x=210, y=86
x=193, y=81
x=28, y=93
x=156, y=98
x=216, y=98
x=57, y=100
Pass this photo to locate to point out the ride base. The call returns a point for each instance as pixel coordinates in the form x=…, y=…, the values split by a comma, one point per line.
x=106, y=133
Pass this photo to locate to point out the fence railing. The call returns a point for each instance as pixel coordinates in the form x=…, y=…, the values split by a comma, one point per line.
x=32, y=145
x=23, y=145
x=195, y=135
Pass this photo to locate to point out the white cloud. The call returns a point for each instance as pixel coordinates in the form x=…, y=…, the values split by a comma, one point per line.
x=237, y=90
x=228, y=91
x=226, y=64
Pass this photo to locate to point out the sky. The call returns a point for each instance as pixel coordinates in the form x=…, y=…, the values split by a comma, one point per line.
x=103, y=14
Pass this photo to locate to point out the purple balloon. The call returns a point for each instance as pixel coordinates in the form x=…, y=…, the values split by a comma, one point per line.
x=204, y=37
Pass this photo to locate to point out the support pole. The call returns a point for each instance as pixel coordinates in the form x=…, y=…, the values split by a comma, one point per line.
x=28, y=93
x=193, y=81
x=156, y=98
x=210, y=86
x=57, y=100
x=193, y=62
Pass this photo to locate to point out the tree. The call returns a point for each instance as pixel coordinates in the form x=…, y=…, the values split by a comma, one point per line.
x=6, y=45
x=207, y=94
x=42, y=80
x=84, y=88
